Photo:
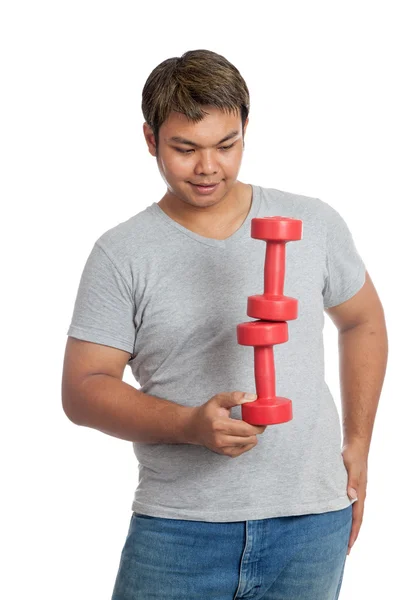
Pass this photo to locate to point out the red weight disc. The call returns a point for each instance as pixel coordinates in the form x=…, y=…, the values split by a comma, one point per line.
x=277, y=228
x=262, y=333
x=269, y=307
x=267, y=411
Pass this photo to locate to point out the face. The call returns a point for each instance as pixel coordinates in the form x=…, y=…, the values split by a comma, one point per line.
x=202, y=155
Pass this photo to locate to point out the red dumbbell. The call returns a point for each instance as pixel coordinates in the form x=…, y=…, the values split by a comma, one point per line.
x=273, y=305
x=269, y=409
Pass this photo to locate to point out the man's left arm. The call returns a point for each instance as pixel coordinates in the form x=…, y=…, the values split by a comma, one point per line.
x=363, y=352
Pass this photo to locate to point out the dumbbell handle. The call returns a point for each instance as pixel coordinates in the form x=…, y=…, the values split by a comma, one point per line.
x=264, y=371
x=274, y=267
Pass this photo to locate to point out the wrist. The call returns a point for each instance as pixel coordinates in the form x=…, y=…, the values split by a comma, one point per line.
x=358, y=443
x=187, y=428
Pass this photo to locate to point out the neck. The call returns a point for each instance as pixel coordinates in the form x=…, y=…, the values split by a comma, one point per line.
x=219, y=216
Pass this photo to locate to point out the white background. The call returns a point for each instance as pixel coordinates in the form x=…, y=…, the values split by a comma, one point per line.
x=324, y=122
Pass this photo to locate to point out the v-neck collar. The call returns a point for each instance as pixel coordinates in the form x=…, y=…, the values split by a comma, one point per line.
x=229, y=241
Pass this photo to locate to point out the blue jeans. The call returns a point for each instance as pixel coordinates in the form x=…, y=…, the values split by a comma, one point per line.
x=280, y=558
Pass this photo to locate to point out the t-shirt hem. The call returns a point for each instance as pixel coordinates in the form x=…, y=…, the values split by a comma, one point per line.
x=99, y=338
x=350, y=291
x=243, y=514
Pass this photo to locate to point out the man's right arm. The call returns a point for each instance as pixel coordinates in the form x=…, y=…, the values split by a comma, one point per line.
x=94, y=395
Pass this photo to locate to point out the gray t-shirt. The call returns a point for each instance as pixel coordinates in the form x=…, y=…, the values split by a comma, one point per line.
x=173, y=299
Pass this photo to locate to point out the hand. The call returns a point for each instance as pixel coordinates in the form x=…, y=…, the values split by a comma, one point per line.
x=355, y=459
x=211, y=426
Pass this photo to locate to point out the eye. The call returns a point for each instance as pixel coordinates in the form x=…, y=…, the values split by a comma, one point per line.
x=187, y=151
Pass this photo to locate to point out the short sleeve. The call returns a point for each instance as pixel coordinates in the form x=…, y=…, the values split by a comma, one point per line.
x=344, y=268
x=104, y=308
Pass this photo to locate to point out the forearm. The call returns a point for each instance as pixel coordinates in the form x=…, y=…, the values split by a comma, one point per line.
x=114, y=407
x=363, y=352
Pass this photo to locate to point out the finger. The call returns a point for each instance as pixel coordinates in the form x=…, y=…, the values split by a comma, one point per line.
x=236, y=440
x=358, y=509
x=235, y=451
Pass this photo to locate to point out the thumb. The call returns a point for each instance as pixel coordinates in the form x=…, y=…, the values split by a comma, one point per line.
x=246, y=397
x=234, y=398
x=353, y=473
x=352, y=488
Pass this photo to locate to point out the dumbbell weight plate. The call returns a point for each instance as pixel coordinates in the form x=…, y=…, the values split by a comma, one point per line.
x=278, y=229
x=270, y=307
x=262, y=333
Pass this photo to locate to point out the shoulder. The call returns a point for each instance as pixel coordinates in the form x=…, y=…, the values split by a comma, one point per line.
x=314, y=212
x=126, y=238
x=299, y=204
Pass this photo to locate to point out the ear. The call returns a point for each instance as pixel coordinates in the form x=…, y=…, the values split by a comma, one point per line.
x=150, y=139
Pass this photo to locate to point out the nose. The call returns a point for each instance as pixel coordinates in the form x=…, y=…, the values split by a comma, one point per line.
x=206, y=164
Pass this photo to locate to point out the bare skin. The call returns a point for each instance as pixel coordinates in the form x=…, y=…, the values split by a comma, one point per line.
x=207, y=159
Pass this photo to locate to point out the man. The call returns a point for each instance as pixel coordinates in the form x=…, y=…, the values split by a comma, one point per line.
x=164, y=292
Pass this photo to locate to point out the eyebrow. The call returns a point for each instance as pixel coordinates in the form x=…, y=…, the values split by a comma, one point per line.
x=181, y=140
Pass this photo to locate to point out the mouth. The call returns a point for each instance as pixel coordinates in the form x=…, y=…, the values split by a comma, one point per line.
x=204, y=189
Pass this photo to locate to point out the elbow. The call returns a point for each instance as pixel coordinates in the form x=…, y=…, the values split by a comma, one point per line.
x=68, y=404
x=69, y=411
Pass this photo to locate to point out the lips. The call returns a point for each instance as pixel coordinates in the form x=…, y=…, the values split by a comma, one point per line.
x=204, y=190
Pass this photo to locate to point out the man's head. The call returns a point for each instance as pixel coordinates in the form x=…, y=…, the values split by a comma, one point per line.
x=202, y=99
